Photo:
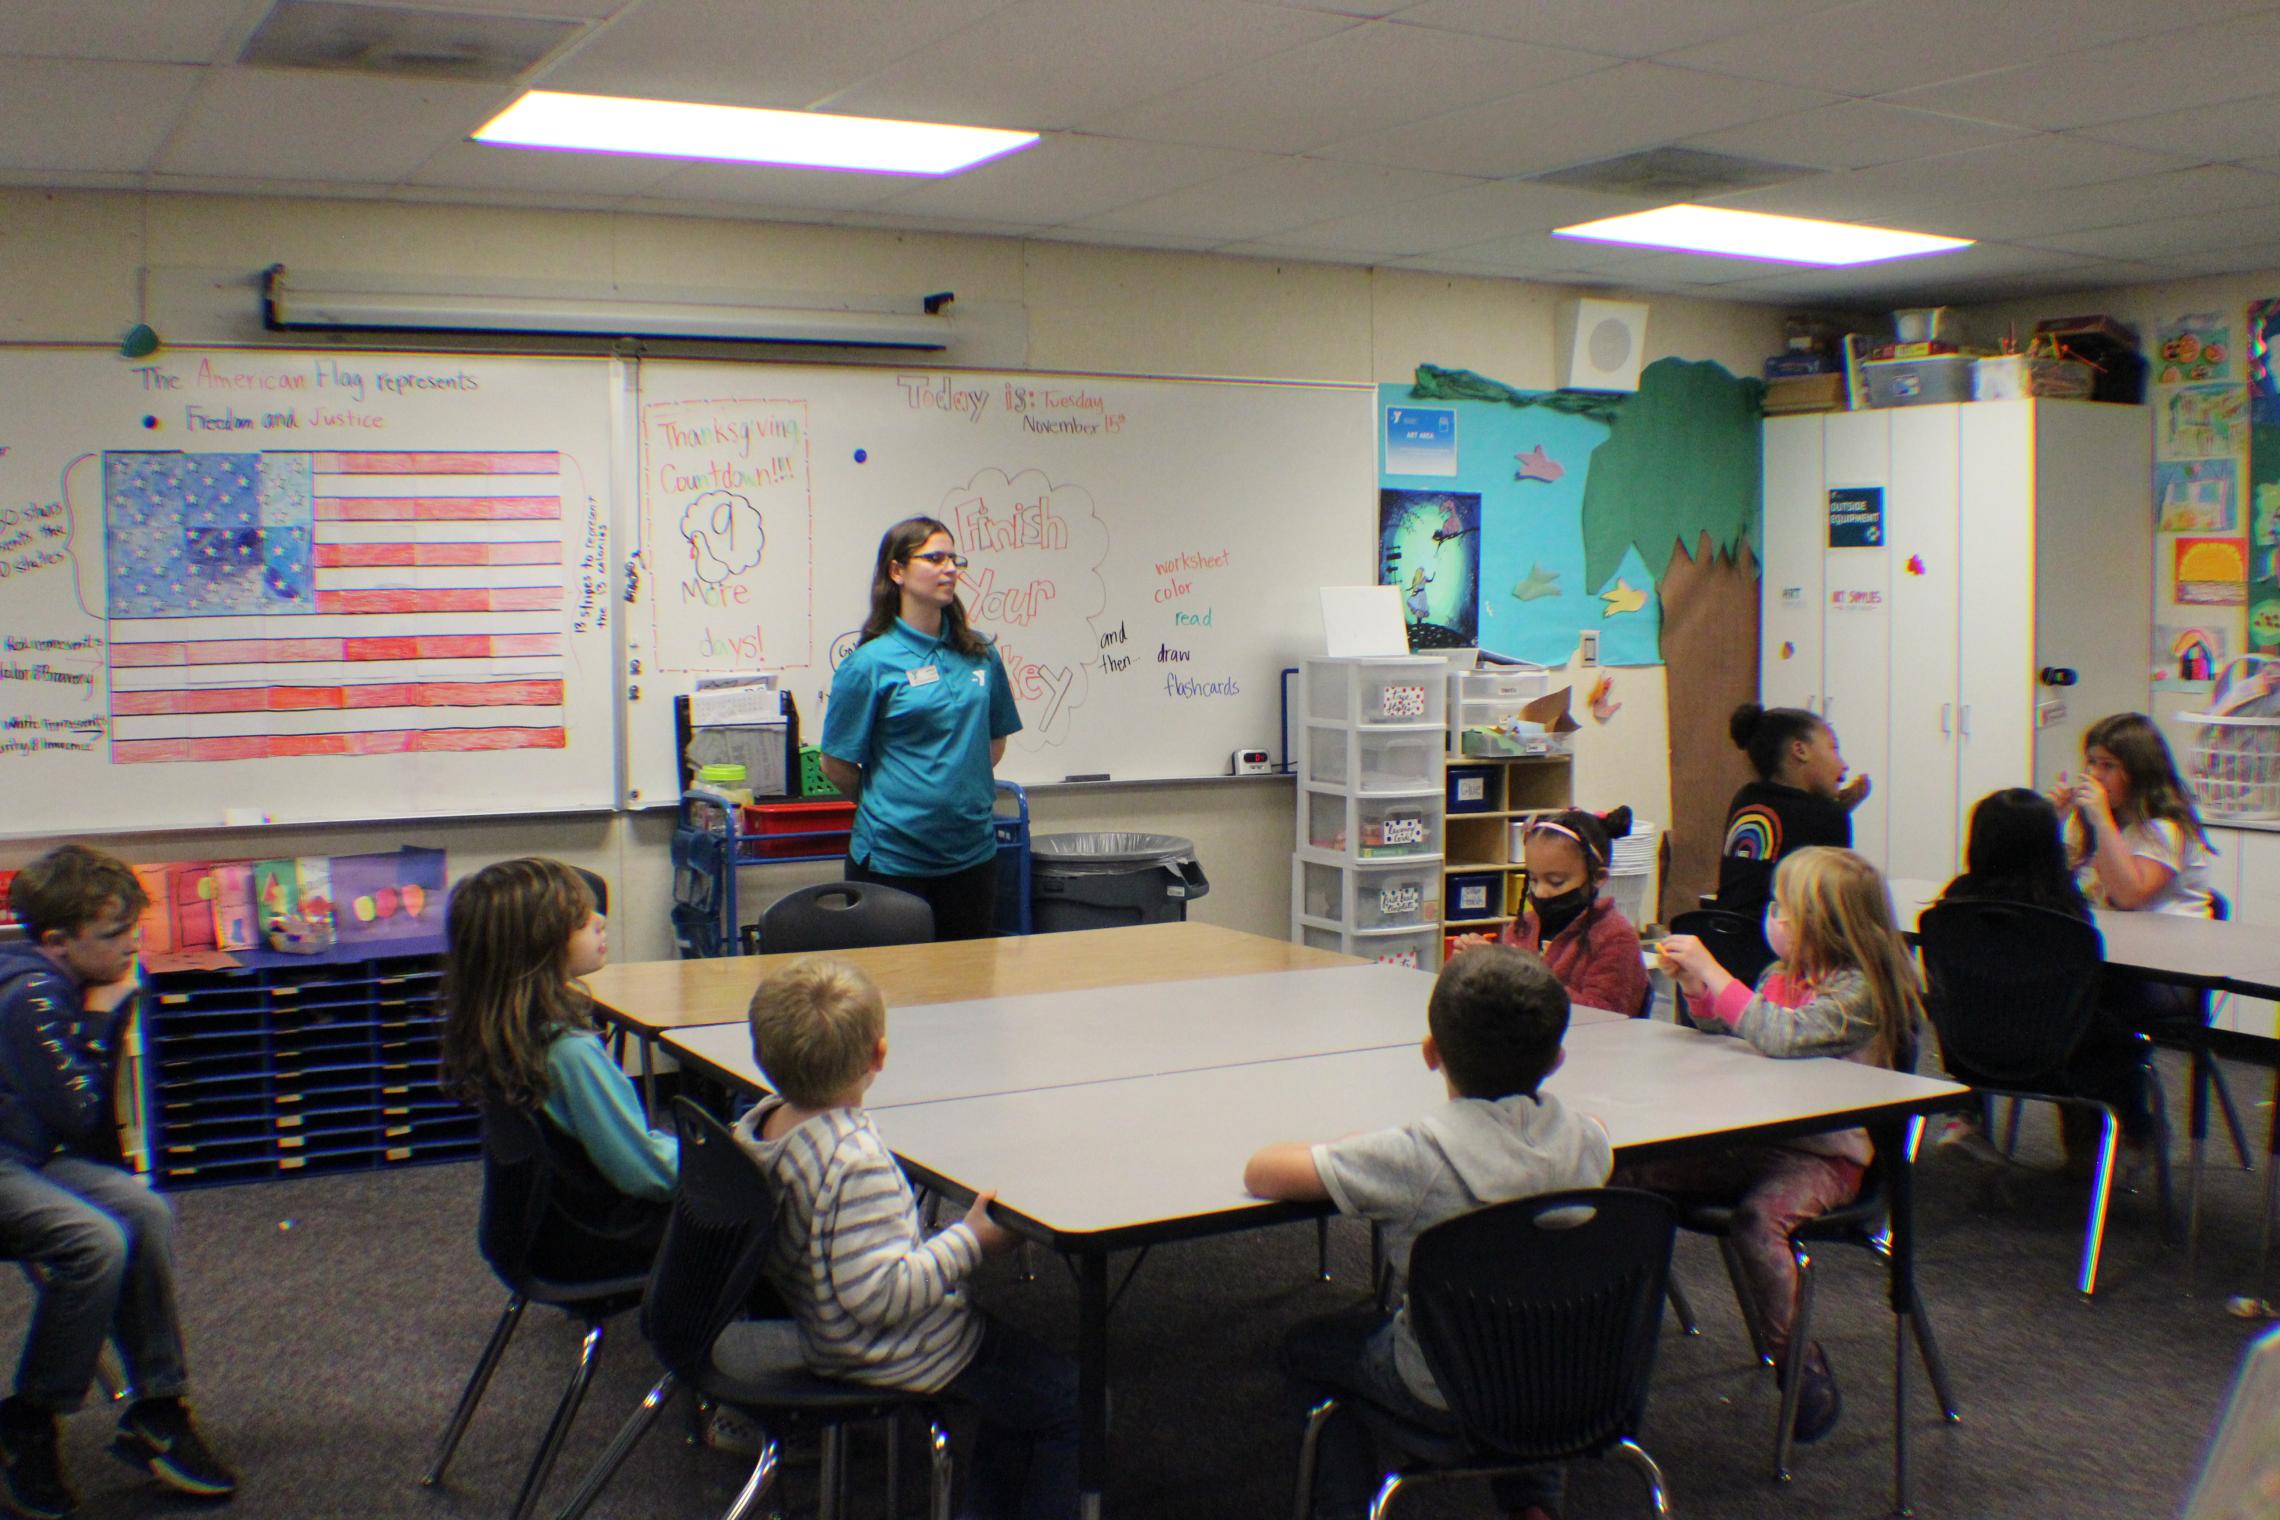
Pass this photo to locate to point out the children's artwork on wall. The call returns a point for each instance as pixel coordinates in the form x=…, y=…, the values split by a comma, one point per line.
x=2197, y=421
x=1429, y=546
x=2263, y=371
x=2194, y=496
x=2187, y=657
x=2211, y=572
x=2194, y=347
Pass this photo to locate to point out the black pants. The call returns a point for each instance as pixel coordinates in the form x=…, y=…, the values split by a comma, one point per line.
x=964, y=902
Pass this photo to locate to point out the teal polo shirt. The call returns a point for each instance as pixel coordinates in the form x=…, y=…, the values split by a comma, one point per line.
x=919, y=718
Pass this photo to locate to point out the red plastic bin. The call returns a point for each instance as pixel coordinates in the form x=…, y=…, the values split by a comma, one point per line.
x=798, y=828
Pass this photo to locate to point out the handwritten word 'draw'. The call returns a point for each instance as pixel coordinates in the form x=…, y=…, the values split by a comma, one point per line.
x=937, y=393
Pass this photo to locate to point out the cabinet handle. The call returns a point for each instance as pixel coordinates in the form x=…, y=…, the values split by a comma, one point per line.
x=1966, y=725
x=1947, y=710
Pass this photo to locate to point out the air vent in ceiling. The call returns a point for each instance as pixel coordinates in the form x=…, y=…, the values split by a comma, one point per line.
x=383, y=39
x=1675, y=174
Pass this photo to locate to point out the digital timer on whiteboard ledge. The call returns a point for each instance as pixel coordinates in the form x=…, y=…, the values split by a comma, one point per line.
x=1249, y=762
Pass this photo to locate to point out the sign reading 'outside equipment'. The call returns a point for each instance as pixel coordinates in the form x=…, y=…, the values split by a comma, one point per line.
x=1856, y=517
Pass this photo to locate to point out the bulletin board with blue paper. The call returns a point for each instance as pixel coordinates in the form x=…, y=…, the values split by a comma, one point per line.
x=1480, y=524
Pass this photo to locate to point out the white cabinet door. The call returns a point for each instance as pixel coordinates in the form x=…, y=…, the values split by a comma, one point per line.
x=1856, y=631
x=1789, y=583
x=1996, y=689
x=1919, y=777
x=2257, y=903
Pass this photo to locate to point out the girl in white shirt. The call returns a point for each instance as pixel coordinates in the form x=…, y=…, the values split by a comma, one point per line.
x=2133, y=836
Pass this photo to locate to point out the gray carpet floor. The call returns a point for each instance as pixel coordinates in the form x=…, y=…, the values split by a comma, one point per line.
x=333, y=1321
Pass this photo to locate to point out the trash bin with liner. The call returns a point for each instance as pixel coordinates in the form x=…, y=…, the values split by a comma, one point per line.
x=1108, y=880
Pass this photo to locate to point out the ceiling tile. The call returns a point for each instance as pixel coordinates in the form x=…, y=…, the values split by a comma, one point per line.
x=1500, y=209
x=577, y=10
x=1880, y=46
x=72, y=114
x=1103, y=238
x=905, y=222
x=1923, y=279
x=179, y=31
x=1633, y=29
x=2164, y=239
x=2212, y=64
x=1929, y=194
x=1572, y=121
x=774, y=187
x=1365, y=79
x=2141, y=198
x=1853, y=134
x=1066, y=177
x=2241, y=129
x=1279, y=195
x=479, y=166
x=292, y=124
x=1366, y=9
x=1048, y=64
x=2252, y=259
x=732, y=52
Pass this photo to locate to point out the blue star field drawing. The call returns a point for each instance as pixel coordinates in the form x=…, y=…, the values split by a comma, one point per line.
x=192, y=535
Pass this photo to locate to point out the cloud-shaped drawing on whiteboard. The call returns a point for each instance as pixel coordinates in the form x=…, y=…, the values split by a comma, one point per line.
x=724, y=534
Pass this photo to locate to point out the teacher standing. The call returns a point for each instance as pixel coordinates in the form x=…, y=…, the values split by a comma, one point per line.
x=916, y=725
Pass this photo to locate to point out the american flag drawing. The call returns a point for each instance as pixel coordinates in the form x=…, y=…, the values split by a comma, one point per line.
x=276, y=604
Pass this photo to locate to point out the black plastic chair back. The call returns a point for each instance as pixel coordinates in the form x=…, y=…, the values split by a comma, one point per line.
x=1736, y=940
x=715, y=1242
x=2013, y=988
x=845, y=915
x=518, y=1190
x=1539, y=1318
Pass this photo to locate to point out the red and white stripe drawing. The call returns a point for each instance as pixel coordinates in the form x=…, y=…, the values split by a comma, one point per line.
x=284, y=604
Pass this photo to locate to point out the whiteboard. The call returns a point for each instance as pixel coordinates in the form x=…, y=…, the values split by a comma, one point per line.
x=246, y=586
x=1147, y=553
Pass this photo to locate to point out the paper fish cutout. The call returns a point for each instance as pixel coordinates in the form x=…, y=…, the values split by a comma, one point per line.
x=1788, y=650
x=1538, y=465
x=1539, y=584
x=1602, y=699
x=1622, y=597
x=1915, y=564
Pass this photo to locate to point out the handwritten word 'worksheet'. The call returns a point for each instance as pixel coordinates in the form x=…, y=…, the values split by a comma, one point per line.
x=243, y=586
x=1146, y=553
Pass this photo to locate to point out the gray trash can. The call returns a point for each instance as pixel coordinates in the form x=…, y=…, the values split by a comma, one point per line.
x=1106, y=881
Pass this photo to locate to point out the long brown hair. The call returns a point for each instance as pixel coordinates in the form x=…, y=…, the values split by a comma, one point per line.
x=896, y=546
x=2157, y=792
x=507, y=991
x=1840, y=919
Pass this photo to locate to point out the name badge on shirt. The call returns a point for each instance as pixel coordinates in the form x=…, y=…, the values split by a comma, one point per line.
x=925, y=675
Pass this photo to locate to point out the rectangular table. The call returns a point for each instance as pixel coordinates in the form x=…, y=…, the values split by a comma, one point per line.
x=1134, y=1133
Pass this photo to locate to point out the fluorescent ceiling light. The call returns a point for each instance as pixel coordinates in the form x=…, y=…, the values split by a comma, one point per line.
x=1755, y=235
x=744, y=134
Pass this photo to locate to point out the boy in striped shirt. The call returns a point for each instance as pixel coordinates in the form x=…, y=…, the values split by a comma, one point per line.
x=877, y=1302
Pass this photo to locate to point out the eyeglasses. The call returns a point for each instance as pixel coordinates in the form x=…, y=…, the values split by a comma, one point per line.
x=940, y=557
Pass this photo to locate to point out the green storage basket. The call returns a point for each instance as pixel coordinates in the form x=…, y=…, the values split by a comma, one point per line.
x=813, y=783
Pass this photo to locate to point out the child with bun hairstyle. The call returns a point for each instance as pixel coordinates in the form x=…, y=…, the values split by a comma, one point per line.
x=1843, y=985
x=1590, y=946
x=1801, y=797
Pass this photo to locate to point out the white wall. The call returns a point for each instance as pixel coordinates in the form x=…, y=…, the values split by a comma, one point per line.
x=73, y=269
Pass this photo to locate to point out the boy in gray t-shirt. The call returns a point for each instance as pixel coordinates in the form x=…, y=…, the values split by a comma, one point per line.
x=1497, y=1017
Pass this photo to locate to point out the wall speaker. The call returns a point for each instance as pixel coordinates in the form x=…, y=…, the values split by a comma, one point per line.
x=1601, y=345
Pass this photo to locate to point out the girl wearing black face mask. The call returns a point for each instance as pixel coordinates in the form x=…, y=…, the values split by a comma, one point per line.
x=1591, y=947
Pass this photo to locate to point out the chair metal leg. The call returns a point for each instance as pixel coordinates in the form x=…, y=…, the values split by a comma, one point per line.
x=938, y=1490
x=481, y=1379
x=755, y=1487
x=2011, y=1134
x=1308, y=1449
x=1322, y=1249
x=2165, y=1190
x=894, y=1465
x=831, y=1475
x=1026, y=1256
x=1732, y=1254
x=558, y=1428
x=2231, y=1111
x=1657, y=1491
x=629, y=1435
x=1683, y=1309
x=1793, y=1365
x=2101, y=1195
x=1926, y=1345
x=1381, y=1503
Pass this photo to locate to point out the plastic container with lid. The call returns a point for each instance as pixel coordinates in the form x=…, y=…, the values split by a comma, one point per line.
x=728, y=780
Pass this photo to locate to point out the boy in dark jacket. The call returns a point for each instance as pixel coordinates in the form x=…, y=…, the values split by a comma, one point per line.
x=101, y=1240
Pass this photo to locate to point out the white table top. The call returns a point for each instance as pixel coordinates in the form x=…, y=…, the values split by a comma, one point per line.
x=1155, y=1151
x=940, y=1051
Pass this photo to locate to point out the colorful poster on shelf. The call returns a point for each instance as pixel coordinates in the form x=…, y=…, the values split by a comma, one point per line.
x=386, y=899
x=2199, y=421
x=2194, y=496
x=2194, y=348
x=2210, y=572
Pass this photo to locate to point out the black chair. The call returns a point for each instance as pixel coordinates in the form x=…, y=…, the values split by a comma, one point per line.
x=2014, y=997
x=1864, y=1222
x=844, y=915
x=519, y=1229
x=1539, y=1320
x=1737, y=941
x=692, y=1315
